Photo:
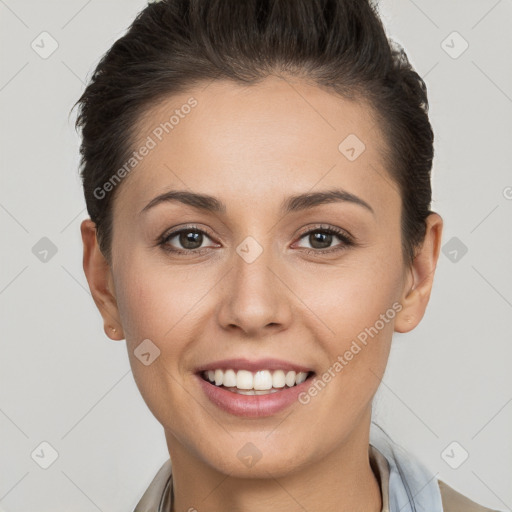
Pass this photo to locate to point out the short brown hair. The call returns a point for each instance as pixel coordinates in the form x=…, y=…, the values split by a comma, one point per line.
x=337, y=44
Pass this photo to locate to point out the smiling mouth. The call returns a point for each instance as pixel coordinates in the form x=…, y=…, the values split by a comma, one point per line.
x=262, y=382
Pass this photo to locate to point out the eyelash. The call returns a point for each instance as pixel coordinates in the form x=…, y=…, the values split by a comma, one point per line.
x=347, y=240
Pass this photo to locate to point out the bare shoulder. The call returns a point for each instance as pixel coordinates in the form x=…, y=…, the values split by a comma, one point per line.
x=454, y=501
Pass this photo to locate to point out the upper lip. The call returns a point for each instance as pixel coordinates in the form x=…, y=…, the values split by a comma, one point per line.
x=253, y=365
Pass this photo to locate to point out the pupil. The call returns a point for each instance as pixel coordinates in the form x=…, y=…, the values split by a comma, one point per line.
x=325, y=240
x=189, y=238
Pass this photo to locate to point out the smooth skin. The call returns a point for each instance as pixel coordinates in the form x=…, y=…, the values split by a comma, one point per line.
x=252, y=147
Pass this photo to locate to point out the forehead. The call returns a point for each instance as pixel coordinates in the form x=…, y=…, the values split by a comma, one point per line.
x=253, y=143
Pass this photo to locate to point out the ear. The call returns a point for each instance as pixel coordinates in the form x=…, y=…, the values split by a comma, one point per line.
x=101, y=283
x=420, y=277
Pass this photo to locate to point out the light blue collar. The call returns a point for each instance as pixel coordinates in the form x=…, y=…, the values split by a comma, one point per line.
x=412, y=488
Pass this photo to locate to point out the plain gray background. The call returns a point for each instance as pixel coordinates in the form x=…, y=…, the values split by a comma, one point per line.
x=63, y=382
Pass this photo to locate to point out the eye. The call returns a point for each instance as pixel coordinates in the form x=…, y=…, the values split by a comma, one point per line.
x=322, y=237
x=188, y=239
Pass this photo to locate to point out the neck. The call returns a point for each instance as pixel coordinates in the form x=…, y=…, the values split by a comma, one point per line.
x=341, y=482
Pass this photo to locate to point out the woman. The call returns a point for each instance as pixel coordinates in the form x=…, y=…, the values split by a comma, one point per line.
x=257, y=176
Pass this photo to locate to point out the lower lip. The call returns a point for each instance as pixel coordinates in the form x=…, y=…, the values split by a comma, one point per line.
x=252, y=406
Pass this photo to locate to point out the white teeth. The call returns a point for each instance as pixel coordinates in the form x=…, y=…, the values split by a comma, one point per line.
x=262, y=380
x=290, y=379
x=230, y=379
x=301, y=377
x=253, y=391
x=258, y=383
x=244, y=379
x=278, y=379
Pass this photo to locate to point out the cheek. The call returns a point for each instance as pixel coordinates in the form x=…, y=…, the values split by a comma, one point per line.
x=357, y=305
x=153, y=300
x=353, y=297
x=157, y=305
x=164, y=305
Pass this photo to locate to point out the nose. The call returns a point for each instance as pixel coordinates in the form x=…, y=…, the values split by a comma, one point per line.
x=256, y=299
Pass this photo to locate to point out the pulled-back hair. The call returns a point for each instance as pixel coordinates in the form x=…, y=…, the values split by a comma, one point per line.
x=340, y=45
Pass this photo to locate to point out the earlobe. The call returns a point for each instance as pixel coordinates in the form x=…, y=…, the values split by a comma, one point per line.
x=99, y=276
x=420, y=277
x=113, y=333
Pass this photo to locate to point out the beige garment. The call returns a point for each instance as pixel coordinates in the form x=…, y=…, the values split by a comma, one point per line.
x=158, y=496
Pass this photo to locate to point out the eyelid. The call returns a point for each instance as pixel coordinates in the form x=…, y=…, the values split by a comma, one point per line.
x=328, y=228
x=187, y=227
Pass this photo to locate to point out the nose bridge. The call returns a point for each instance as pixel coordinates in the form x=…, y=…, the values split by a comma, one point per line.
x=254, y=297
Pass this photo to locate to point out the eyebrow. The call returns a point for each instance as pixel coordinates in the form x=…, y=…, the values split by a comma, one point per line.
x=291, y=204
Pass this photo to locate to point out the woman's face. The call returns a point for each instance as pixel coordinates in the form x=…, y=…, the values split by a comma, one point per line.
x=260, y=280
